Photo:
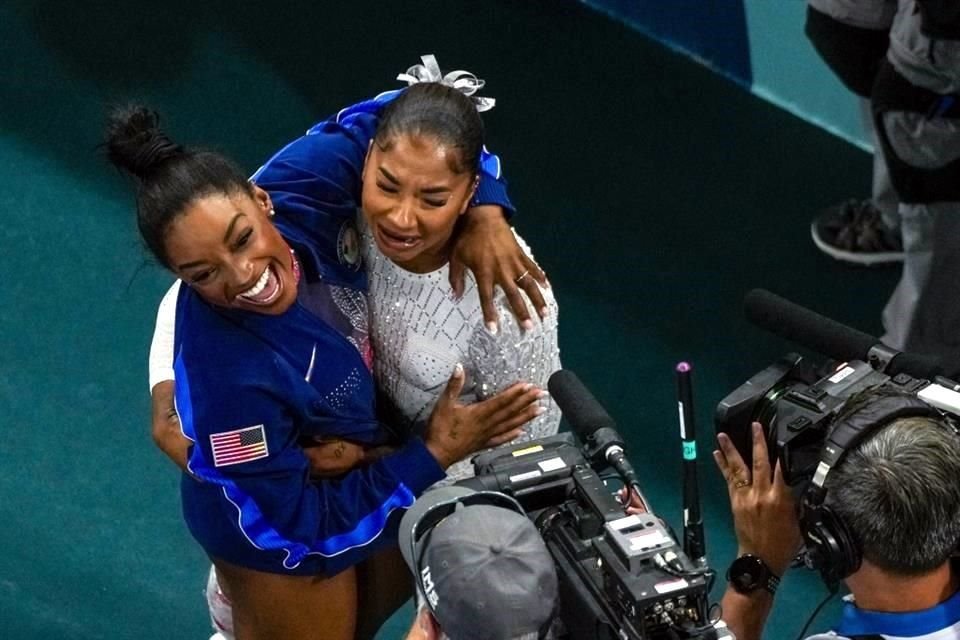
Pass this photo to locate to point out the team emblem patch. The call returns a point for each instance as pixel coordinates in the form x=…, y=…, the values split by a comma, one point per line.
x=239, y=445
x=348, y=245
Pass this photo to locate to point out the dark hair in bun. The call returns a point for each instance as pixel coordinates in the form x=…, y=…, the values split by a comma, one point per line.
x=169, y=176
x=434, y=109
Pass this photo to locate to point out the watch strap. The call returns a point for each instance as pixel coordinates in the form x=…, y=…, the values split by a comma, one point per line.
x=772, y=582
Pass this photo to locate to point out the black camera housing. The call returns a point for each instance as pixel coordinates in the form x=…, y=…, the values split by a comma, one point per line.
x=611, y=585
x=797, y=403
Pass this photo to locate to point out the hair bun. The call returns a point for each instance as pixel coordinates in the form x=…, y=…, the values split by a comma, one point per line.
x=135, y=142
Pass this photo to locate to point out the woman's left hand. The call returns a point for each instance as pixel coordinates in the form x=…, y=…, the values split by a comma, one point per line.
x=486, y=245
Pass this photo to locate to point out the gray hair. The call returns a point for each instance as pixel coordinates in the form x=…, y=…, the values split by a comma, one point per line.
x=898, y=492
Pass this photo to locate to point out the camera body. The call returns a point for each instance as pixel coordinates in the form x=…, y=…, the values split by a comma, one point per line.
x=797, y=404
x=621, y=576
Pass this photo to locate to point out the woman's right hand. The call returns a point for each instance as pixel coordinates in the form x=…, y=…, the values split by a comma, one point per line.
x=456, y=430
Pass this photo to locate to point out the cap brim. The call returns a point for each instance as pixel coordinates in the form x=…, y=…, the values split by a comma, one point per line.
x=421, y=507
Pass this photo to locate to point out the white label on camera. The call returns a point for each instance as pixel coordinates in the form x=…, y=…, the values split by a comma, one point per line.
x=525, y=476
x=840, y=375
x=646, y=540
x=670, y=585
x=552, y=464
x=941, y=397
x=623, y=523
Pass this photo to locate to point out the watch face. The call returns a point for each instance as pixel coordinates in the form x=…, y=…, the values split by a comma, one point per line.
x=747, y=573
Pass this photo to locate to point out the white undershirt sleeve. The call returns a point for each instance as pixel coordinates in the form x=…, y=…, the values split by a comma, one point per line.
x=161, y=348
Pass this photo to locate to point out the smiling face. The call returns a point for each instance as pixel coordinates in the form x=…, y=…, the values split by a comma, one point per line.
x=225, y=247
x=412, y=197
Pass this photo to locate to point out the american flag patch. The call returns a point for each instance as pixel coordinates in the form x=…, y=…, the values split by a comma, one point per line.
x=241, y=445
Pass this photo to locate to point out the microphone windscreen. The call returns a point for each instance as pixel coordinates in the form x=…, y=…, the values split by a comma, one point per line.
x=916, y=365
x=578, y=405
x=808, y=328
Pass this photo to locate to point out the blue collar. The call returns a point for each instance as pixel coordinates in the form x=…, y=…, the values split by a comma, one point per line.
x=860, y=622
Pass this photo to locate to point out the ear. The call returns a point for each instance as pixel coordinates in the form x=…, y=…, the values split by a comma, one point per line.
x=469, y=199
x=262, y=198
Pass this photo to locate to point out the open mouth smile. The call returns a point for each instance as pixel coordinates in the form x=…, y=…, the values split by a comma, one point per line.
x=265, y=291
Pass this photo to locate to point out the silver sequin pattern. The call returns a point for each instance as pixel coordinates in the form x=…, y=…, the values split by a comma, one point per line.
x=419, y=333
x=339, y=396
x=353, y=305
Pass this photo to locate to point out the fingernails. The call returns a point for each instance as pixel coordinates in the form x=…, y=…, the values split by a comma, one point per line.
x=542, y=394
x=492, y=328
x=458, y=370
x=527, y=325
x=544, y=312
x=540, y=410
x=527, y=386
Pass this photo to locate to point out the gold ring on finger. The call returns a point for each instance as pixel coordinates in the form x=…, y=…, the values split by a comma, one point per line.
x=521, y=276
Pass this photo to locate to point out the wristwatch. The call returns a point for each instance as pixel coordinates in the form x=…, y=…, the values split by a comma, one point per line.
x=749, y=573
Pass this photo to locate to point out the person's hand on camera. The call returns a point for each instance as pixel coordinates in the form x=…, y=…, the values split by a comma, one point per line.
x=631, y=501
x=764, y=513
x=456, y=430
x=486, y=245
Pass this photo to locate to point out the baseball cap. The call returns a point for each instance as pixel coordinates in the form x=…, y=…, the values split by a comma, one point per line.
x=480, y=564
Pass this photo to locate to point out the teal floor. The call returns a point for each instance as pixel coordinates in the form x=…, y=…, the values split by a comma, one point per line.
x=654, y=192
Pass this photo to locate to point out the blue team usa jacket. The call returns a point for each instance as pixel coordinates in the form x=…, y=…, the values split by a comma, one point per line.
x=249, y=386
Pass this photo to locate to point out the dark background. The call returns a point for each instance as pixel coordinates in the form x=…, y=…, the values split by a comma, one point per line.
x=654, y=192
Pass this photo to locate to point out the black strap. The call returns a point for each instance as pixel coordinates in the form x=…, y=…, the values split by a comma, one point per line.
x=867, y=637
x=893, y=92
x=853, y=53
x=940, y=19
x=773, y=581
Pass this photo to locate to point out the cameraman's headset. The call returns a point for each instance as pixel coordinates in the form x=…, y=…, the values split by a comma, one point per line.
x=831, y=547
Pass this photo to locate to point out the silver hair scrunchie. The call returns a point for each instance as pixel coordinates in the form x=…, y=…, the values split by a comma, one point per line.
x=461, y=80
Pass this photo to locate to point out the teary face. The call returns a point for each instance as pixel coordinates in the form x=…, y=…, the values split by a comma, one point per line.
x=412, y=197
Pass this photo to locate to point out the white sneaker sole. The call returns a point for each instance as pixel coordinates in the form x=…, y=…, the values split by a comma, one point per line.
x=864, y=259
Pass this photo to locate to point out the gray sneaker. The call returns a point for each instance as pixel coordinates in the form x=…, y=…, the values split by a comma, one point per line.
x=855, y=232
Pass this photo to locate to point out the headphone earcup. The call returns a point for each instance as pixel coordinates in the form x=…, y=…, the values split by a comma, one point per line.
x=831, y=548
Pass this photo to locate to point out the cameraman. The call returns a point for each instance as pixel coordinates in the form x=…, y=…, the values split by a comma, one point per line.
x=482, y=571
x=897, y=493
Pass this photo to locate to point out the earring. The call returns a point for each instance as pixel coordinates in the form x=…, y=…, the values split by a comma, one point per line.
x=271, y=213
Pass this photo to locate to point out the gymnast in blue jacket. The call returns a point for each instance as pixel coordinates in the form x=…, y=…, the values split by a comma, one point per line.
x=270, y=349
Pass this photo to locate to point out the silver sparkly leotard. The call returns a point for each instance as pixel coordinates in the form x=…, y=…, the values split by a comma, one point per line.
x=419, y=333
